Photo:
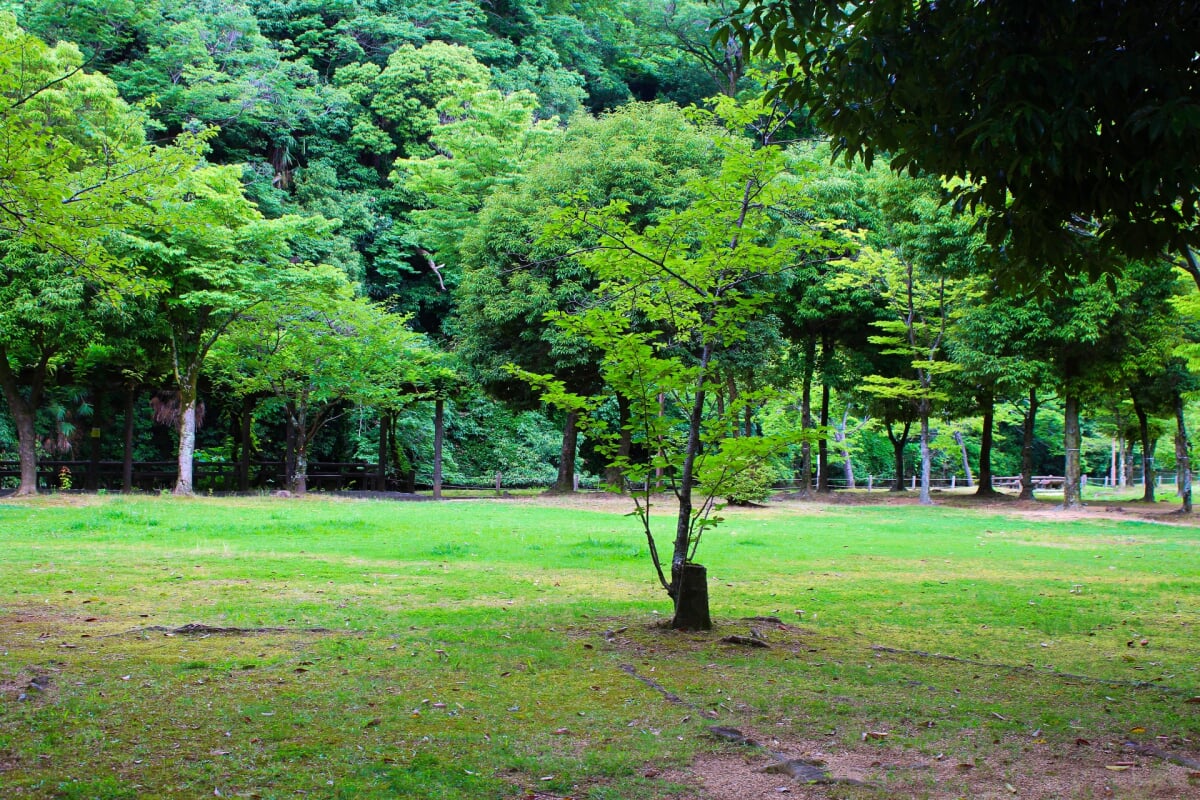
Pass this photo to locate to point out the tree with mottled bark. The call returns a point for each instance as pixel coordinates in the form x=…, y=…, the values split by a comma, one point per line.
x=214, y=259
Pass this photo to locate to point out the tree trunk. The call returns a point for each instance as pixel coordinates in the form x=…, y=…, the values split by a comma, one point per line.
x=298, y=480
x=1112, y=467
x=823, y=444
x=985, y=441
x=731, y=388
x=385, y=424
x=985, y=447
x=898, y=445
x=245, y=435
x=684, y=589
x=24, y=414
x=289, y=451
x=961, y=441
x=566, y=459
x=439, y=436
x=613, y=476
x=691, y=598
x=187, y=441
x=1122, y=459
x=925, y=498
x=1147, y=451
x=840, y=437
x=1027, y=448
x=127, y=450
x=1183, y=460
x=1072, y=497
x=806, y=420
x=26, y=447
x=92, y=482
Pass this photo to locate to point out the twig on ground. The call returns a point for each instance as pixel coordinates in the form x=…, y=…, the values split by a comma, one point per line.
x=1147, y=750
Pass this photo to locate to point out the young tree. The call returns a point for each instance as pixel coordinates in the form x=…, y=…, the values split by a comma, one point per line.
x=675, y=296
x=913, y=261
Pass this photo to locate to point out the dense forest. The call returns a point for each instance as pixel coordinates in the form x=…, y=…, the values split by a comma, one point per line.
x=539, y=240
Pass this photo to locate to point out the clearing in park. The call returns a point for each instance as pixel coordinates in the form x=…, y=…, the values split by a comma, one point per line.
x=271, y=648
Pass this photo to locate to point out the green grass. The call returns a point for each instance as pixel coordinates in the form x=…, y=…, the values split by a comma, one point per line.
x=458, y=650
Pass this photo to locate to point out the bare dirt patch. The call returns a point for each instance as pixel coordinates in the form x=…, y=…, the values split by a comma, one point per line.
x=1007, y=504
x=1013, y=770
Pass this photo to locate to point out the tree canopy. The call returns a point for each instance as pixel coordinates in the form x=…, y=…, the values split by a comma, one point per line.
x=1060, y=119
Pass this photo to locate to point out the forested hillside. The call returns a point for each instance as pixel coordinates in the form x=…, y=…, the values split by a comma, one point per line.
x=430, y=238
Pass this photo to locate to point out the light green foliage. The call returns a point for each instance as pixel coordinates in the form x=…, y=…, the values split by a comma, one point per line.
x=74, y=163
x=217, y=259
x=483, y=143
x=315, y=351
x=416, y=80
x=513, y=276
x=675, y=296
x=209, y=65
x=44, y=309
x=47, y=318
x=100, y=28
x=920, y=261
x=331, y=35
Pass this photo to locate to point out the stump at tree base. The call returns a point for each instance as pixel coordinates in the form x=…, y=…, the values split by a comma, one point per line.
x=691, y=599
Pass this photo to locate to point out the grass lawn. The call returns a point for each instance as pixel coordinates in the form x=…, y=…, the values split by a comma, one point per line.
x=491, y=649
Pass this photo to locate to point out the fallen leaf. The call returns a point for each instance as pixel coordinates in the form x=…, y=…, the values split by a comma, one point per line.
x=561, y=731
x=1116, y=767
x=1138, y=729
x=1012, y=789
x=874, y=735
x=373, y=722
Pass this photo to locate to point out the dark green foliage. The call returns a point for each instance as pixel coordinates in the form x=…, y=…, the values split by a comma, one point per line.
x=512, y=278
x=1022, y=101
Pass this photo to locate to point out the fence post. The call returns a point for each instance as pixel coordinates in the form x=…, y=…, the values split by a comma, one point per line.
x=498, y=478
x=870, y=482
x=914, y=480
x=953, y=481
